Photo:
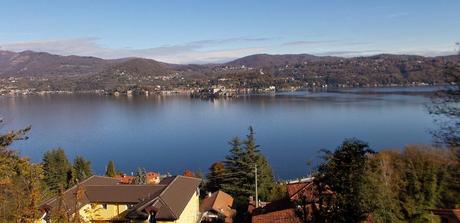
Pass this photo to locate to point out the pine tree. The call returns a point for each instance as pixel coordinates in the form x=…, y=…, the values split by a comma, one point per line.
x=110, y=171
x=240, y=169
x=57, y=170
x=234, y=172
x=81, y=169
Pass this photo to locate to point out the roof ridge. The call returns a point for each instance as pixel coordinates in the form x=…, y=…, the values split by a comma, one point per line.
x=306, y=185
x=70, y=188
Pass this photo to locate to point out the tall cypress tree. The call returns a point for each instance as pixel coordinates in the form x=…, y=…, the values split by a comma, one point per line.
x=110, y=171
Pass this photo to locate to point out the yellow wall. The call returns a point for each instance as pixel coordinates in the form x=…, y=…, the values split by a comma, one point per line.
x=97, y=212
x=91, y=212
x=191, y=212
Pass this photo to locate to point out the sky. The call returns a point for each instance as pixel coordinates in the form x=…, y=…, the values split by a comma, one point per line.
x=217, y=31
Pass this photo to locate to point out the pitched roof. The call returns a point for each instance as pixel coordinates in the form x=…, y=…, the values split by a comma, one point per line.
x=453, y=213
x=168, y=198
x=171, y=202
x=279, y=216
x=68, y=196
x=121, y=193
x=220, y=202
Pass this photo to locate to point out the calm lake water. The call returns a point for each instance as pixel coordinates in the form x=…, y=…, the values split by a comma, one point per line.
x=173, y=133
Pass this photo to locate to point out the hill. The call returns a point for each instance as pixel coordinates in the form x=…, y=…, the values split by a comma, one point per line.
x=267, y=60
x=29, y=63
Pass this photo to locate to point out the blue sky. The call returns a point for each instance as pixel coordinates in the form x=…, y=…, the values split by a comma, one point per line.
x=214, y=31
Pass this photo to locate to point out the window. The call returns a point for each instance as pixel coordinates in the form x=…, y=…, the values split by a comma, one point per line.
x=104, y=206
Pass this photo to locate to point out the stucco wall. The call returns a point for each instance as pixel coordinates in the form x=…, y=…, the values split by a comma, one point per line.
x=98, y=212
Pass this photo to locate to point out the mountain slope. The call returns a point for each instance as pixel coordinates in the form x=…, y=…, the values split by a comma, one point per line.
x=267, y=60
x=29, y=63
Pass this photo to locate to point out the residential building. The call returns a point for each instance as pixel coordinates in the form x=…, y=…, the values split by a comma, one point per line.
x=217, y=207
x=286, y=210
x=104, y=199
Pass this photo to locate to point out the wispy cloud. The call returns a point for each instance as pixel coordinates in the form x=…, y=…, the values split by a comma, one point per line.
x=307, y=42
x=397, y=15
x=323, y=42
x=350, y=53
x=191, y=52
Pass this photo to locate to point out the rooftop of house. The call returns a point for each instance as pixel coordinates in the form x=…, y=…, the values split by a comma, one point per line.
x=168, y=198
x=219, y=202
x=451, y=213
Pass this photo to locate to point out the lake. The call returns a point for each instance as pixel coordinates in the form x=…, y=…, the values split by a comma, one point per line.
x=174, y=133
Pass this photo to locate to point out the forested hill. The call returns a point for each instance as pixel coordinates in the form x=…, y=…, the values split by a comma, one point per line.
x=261, y=70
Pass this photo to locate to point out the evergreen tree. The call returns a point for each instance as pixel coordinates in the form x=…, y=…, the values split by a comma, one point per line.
x=344, y=173
x=240, y=169
x=216, y=177
x=57, y=170
x=140, y=177
x=233, y=169
x=81, y=169
x=110, y=171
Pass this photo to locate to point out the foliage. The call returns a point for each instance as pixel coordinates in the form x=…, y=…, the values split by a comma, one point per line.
x=58, y=170
x=21, y=187
x=278, y=192
x=110, y=171
x=140, y=177
x=240, y=169
x=81, y=169
x=343, y=173
x=216, y=177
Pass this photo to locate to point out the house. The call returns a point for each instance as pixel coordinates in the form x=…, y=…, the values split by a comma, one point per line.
x=104, y=199
x=150, y=178
x=448, y=215
x=217, y=207
x=287, y=209
x=124, y=179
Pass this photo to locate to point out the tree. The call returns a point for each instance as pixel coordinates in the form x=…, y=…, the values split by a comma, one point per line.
x=189, y=173
x=140, y=177
x=240, y=173
x=81, y=169
x=343, y=173
x=216, y=177
x=406, y=184
x=425, y=182
x=240, y=169
x=20, y=182
x=57, y=169
x=110, y=171
x=234, y=171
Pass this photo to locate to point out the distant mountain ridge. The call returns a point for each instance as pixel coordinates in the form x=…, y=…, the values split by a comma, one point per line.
x=266, y=60
x=30, y=63
x=288, y=71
